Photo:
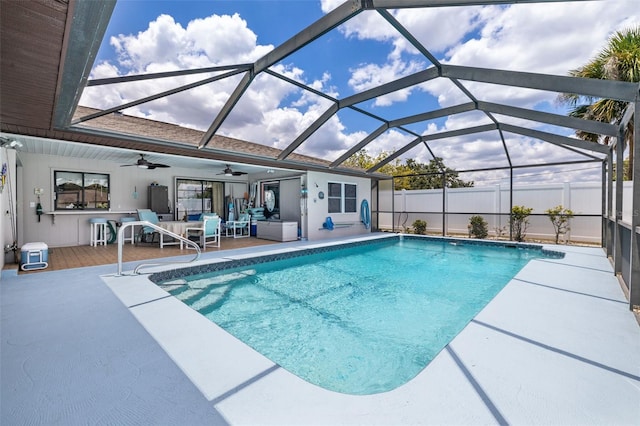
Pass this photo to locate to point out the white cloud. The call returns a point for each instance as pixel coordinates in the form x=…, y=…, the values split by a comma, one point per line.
x=214, y=40
x=372, y=75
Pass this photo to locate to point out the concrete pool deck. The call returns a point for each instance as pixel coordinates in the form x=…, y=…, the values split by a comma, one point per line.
x=558, y=345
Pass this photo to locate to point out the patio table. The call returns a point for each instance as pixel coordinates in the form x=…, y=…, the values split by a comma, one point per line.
x=177, y=227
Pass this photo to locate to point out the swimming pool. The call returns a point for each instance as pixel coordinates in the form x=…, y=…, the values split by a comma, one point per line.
x=362, y=319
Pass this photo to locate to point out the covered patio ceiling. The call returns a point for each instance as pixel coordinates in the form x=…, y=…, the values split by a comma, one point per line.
x=45, y=72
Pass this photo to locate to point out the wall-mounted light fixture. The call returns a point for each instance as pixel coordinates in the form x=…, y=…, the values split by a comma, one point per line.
x=9, y=143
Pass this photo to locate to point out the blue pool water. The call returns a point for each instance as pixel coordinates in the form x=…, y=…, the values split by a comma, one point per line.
x=358, y=320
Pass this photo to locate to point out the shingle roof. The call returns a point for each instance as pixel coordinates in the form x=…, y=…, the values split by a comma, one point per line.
x=171, y=133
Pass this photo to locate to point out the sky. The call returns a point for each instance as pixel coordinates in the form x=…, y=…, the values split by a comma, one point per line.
x=165, y=35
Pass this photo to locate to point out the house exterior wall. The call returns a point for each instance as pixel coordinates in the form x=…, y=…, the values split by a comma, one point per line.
x=318, y=209
x=128, y=189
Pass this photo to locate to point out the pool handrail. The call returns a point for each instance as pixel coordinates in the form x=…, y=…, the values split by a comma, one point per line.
x=136, y=271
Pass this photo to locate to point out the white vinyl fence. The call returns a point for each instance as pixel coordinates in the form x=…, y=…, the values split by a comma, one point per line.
x=492, y=203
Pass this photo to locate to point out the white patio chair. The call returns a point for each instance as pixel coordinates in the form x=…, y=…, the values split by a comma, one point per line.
x=208, y=231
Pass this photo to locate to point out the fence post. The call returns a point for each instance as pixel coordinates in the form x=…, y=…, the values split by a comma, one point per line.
x=566, y=195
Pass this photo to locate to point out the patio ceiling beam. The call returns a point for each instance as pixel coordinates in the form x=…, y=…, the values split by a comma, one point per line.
x=309, y=131
x=237, y=93
x=626, y=117
x=395, y=154
x=398, y=123
x=300, y=85
x=392, y=86
x=470, y=106
x=549, y=118
x=431, y=115
x=326, y=23
x=380, y=130
x=432, y=137
x=156, y=96
x=85, y=29
x=320, y=27
x=459, y=132
x=606, y=89
x=350, y=101
x=212, y=154
x=409, y=4
x=152, y=76
x=516, y=167
x=556, y=139
x=409, y=36
x=504, y=144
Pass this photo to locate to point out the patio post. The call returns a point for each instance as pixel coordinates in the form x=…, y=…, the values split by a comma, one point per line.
x=444, y=203
x=634, y=280
x=510, y=201
x=609, y=212
x=617, y=252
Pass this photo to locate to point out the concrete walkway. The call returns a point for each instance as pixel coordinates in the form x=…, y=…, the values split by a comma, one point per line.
x=72, y=354
x=557, y=346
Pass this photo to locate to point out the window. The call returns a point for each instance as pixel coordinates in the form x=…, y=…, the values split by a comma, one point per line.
x=78, y=190
x=342, y=197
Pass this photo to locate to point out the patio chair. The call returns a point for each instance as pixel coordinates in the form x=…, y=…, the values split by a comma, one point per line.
x=209, y=229
x=147, y=232
x=238, y=228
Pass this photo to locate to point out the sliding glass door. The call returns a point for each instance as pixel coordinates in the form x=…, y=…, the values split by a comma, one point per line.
x=194, y=197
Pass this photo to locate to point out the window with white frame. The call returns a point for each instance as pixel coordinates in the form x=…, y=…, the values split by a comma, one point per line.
x=342, y=197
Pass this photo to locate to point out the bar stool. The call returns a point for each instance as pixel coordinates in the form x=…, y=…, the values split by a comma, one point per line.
x=132, y=232
x=98, y=231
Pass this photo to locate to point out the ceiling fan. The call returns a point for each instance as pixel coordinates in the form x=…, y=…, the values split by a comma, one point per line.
x=144, y=164
x=228, y=172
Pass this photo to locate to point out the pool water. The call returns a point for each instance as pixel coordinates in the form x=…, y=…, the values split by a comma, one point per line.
x=359, y=320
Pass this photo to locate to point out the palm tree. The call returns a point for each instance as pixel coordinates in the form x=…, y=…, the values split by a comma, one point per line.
x=618, y=60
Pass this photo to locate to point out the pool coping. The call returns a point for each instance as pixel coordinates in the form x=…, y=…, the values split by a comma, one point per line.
x=477, y=367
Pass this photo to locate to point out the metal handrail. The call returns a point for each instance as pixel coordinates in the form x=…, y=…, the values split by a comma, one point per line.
x=125, y=225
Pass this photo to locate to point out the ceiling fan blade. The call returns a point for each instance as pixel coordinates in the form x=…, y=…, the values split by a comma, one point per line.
x=143, y=163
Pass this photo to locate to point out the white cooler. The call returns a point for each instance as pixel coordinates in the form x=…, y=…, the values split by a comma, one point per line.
x=34, y=256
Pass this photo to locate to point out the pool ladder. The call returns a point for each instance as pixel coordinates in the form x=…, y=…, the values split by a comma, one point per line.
x=136, y=271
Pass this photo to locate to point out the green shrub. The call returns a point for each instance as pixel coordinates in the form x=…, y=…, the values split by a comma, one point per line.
x=478, y=227
x=559, y=217
x=420, y=227
x=520, y=221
